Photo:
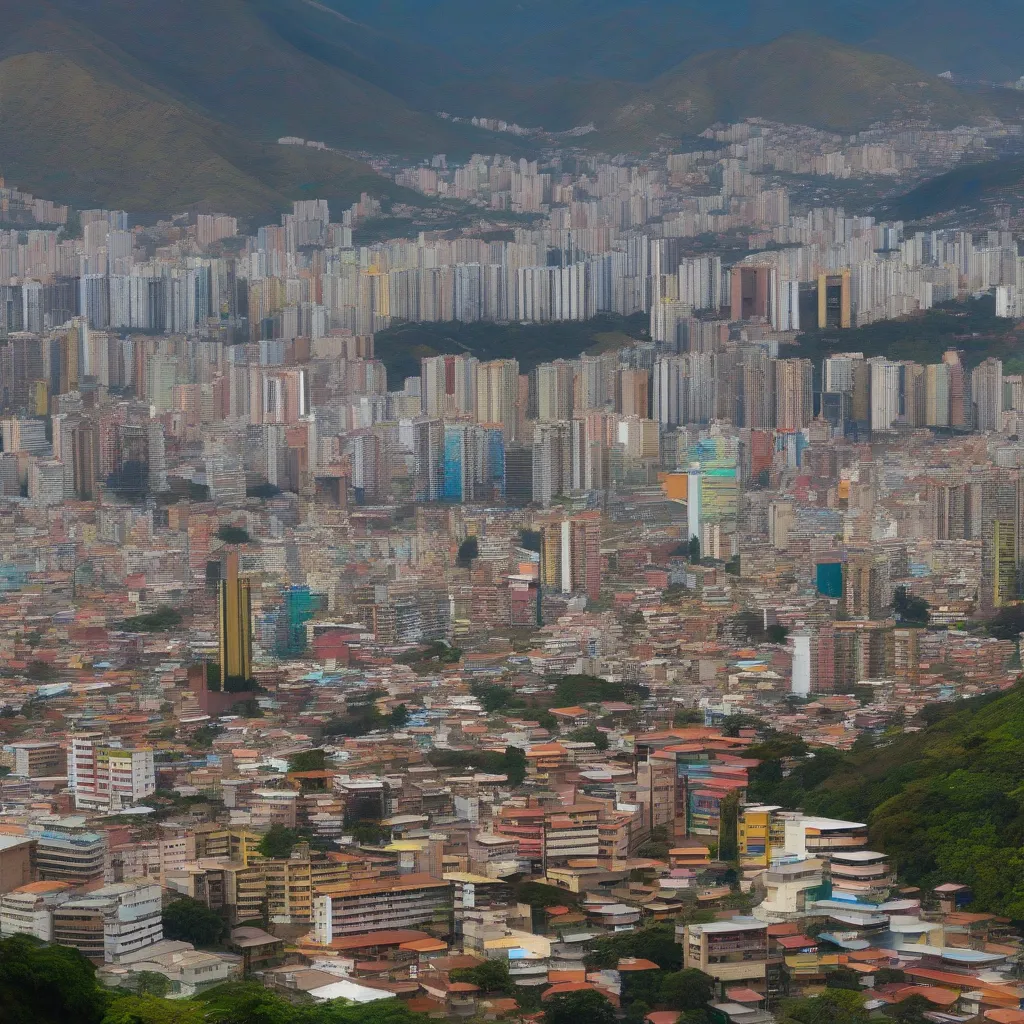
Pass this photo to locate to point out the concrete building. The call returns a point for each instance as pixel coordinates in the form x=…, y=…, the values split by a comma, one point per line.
x=105, y=777
x=360, y=906
x=28, y=910
x=17, y=861
x=110, y=922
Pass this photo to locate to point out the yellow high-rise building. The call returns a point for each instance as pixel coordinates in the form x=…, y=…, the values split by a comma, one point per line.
x=235, y=628
x=834, y=300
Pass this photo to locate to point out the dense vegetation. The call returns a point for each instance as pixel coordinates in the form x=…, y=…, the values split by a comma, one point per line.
x=971, y=326
x=971, y=187
x=511, y=763
x=57, y=985
x=402, y=346
x=163, y=619
x=192, y=921
x=946, y=803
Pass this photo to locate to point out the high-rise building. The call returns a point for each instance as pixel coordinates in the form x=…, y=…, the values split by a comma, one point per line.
x=987, y=394
x=751, y=292
x=886, y=392
x=794, y=393
x=235, y=651
x=834, y=304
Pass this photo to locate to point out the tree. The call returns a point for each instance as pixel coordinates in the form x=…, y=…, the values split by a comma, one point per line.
x=162, y=619
x=693, y=550
x=369, y=833
x=47, y=984
x=687, y=716
x=656, y=943
x=834, y=1006
x=308, y=761
x=688, y=989
x=468, y=550
x=233, y=534
x=591, y=734
x=263, y=491
x=490, y=976
x=909, y=609
x=1007, y=623
x=843, y=977
x=572, y=1007
x=888, y=976
x=189, y=920
x=151, y=1009
x=515, y=765
x=911, y=1010
x=399, y=716
x=728, y=823
x=152, y=983
x=278, y=841
x=539, y=895
x=776, y=634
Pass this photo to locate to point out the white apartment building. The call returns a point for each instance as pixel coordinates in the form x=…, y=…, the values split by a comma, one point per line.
x=104, y=777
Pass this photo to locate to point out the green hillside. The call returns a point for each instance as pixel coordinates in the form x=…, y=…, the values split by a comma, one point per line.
x=122, y=147
x=156, y=107
x=946, y=803
x=972, y=186
x=798, y=79
x=402, y=346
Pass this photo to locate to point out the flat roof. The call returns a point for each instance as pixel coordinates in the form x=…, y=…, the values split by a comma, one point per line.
x=735, y=924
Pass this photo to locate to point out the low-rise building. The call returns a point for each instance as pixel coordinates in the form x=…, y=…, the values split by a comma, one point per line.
x=729, y=951
x=29, y=909
x=110, y=922
x=360, y=906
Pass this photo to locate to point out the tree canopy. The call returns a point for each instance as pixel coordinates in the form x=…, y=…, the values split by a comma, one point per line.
x=572, y=1007
x=189, y=920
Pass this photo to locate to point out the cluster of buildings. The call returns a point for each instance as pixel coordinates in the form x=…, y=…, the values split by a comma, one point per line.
x=352, y=661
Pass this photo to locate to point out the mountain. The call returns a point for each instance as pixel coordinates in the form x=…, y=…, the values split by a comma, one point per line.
x=638, y=40
x=799, y=79
x=972, y=186
x=157, y=107
x=945, y=803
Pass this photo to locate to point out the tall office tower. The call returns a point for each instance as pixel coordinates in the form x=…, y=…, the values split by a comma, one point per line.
x=794, y=393
x=669, y=391
x=518, y=475
x=448, y=386
x=553, y=385
x=94, y=299
x=987, y=394
x=958, y=399
x=758, y=390
x=497, y=393
x=668, y=317
x=886, y=392
x=786, y=308
x=751, y=292
x=633, y=393
x=1001, y=541
x=936, y=395
x=85, y=457
x=838, y=372
x=834, y=307
x=580, y=555
x=551, y=461
x=428, y=452
x=593, y=384
x=915, y=397
x=700, y=282
x=235, y=658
